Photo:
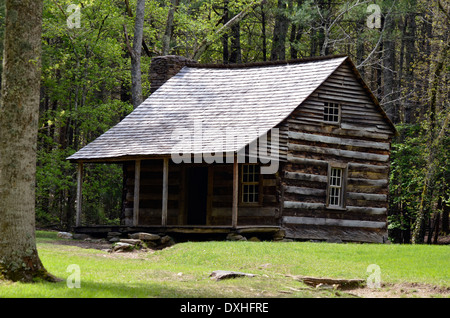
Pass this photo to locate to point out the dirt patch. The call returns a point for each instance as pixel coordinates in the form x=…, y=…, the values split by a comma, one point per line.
x=103, y=245
x=402, y=290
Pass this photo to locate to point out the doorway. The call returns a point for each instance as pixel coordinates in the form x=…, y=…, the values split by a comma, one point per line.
x=197, y=190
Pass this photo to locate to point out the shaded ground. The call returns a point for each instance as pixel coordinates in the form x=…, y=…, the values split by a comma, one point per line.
x=97, y=244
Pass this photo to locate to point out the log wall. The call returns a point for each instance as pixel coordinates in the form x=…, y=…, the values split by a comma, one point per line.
x=150, y=193
x=219, y=196
x=266, y=212
x=295, y=197
x=361, y=142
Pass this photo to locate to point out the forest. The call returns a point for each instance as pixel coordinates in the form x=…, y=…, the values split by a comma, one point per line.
x=92, y=51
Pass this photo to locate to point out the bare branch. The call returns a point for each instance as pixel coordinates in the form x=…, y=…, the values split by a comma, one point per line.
x=363, y=63
x=236, y=19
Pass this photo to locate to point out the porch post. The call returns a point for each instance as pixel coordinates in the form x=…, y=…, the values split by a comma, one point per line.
x=165, y=191
x=79, y=194
x=234, y=210
x=137, y=185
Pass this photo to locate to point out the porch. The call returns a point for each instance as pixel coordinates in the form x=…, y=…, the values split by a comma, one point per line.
x=195, y=199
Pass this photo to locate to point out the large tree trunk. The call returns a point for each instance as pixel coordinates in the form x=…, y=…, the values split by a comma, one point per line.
x=19, y=109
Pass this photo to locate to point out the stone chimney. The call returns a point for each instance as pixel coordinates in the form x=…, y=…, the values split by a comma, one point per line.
x=164, y=67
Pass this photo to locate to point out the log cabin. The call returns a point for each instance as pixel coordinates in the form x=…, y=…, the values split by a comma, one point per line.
x=300, y=146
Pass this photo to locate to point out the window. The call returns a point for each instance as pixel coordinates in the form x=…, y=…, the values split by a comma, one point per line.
x=250, y=183
x=336, y=186
x=334, y=195
x=331, y=112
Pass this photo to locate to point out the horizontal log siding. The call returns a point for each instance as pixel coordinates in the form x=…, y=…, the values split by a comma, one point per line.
x=219, y=209
x=150, y=193
x=265, y=213
x=361, y=140
x=266, y=152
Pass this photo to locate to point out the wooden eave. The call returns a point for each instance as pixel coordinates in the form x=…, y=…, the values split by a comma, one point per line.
x=119, y=159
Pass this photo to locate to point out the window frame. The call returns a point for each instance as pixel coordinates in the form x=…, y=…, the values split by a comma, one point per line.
x=256, y=183
x=343, y=186
x=339, y=114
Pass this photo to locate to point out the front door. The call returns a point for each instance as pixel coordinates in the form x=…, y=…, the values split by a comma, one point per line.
x=197, y=190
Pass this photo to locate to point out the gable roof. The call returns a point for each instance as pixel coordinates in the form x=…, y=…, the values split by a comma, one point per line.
x=240, y=99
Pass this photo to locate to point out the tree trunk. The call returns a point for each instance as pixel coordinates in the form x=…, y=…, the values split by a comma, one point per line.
x=360, y=51
x=389, y=69
x=263, y=29
x=19, y=260
x=410, y=58
x=296, y=35
x=136, y=82
x=207, y=41
x=169, y=27
x=445, y=218
x=313, y=42
x=436, y=228
x=402, y=110
x=226, y=18
x=324, y=29
x=235, y=54
x=417, y=236
x=279, y=32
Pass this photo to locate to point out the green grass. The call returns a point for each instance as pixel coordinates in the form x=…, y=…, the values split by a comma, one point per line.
x=183, y=270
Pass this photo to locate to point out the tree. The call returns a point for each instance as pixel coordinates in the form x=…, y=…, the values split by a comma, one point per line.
x=169, y=27
x=86, y=83
x=436, y=138
x=207, y=41
x=19, y=109
x=135, y=52
x=280, y=31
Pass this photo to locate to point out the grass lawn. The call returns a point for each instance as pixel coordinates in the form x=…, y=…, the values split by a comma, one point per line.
x=183, y=270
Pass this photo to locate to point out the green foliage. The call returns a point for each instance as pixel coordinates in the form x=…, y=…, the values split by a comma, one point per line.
x=406, y=179
x=86, y=82
x=102, y=194
x=53, y=180
x=83, y=71
x=409, y=167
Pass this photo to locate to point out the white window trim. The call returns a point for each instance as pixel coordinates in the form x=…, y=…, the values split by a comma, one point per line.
x=338, y=122
x=343, y=186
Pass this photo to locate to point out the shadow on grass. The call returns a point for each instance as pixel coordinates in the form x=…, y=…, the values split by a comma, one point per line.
x=89, y=289
x=109, y=290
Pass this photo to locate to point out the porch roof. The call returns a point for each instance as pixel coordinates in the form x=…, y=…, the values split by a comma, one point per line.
x=201, y=106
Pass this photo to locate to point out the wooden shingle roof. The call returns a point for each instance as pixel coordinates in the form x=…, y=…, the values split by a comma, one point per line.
x=216, y=100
